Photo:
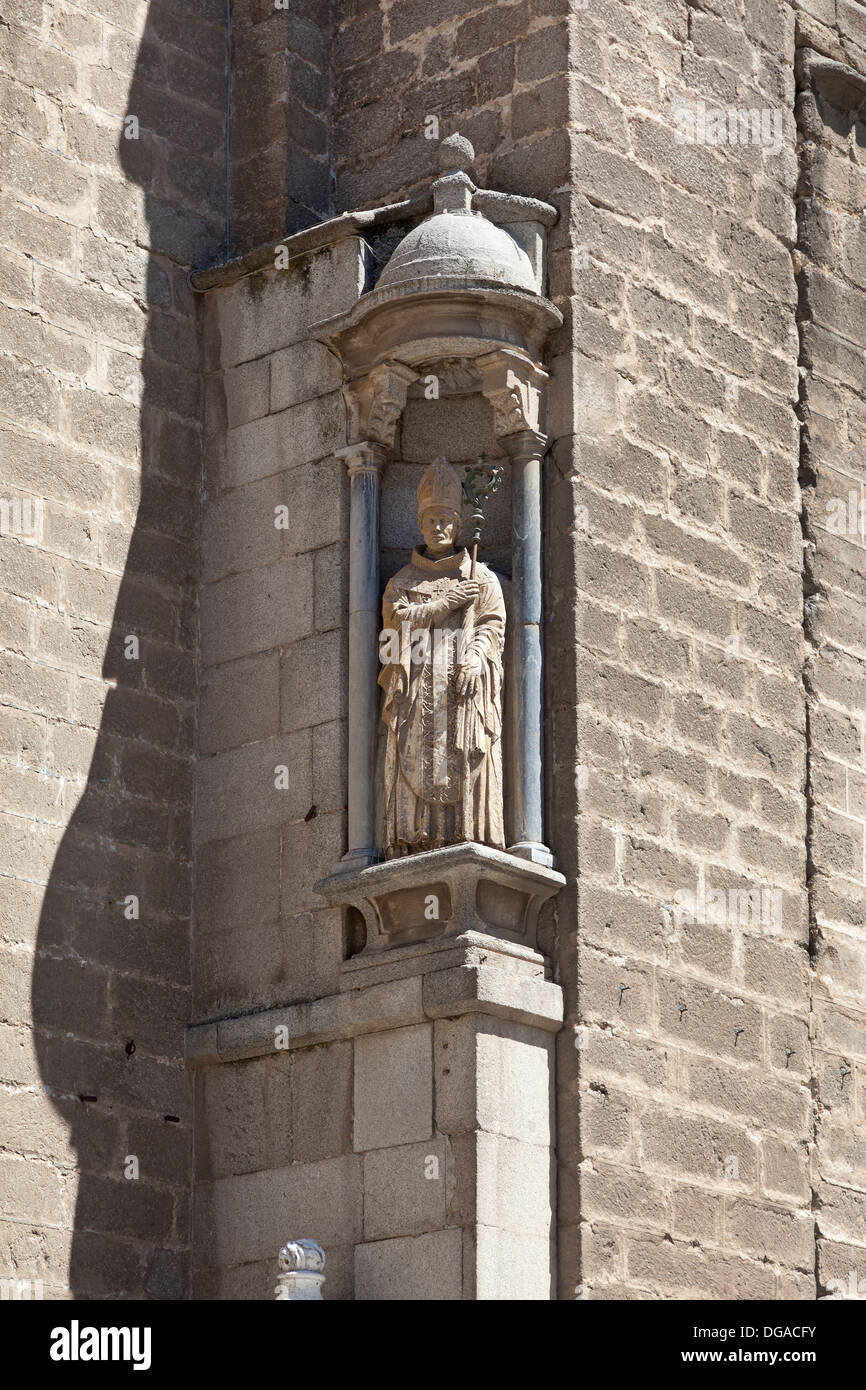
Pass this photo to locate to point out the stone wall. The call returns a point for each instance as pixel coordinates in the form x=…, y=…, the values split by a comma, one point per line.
x=273, y=696
x=329, y=101
x=279, y=134
x=831, y=281
x=708, y=1124
x=685, y=1111
x=273, y=603
x=493, y=72
x=704, y=594
x=100, y=422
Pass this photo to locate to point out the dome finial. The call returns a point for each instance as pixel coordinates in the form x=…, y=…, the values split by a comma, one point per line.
x=456, y=152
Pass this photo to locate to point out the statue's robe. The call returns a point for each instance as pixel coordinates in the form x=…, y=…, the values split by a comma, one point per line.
x=443, y=753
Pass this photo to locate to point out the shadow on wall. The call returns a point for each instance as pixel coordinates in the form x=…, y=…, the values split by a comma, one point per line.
x=110, y=986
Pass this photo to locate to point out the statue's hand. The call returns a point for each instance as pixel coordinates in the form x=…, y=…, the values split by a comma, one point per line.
x=468, y=677
x=464, y=591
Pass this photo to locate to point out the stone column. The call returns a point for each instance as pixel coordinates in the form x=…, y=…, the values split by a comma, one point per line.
x=526, y=450
x=514, y=385
x=374, y=404
x=364, y=461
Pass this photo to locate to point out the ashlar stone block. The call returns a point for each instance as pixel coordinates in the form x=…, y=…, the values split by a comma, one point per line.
x=405, y=1189
x=393, y=1088
x=426, y=1268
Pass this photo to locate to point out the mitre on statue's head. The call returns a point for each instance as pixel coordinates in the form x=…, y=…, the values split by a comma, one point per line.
x=440, y=487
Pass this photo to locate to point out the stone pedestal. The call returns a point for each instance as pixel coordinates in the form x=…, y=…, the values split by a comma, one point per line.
x=455, y=1116
x=446, y=892
x=446, y=1182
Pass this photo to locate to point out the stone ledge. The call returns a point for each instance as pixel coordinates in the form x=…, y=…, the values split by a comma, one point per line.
x=519, y=995
x=471, y=948
x=501, y=208
x=470, y=887
x=309, y=239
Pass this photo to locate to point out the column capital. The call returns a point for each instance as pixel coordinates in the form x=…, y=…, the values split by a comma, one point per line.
x=515, y=386
x=365, y=456
x=524, y=444
x=376, y=401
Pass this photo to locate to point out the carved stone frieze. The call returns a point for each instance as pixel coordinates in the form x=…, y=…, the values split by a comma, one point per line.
x=455, y=376
x=446, y=893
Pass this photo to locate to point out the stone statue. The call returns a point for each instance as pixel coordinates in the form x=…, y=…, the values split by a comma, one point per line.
x=441, y=650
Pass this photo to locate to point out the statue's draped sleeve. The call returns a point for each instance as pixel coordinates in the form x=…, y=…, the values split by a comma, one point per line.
x=400, y=617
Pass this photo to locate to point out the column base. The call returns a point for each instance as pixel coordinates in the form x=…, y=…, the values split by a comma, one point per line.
x=355, y=859
x=532, y=850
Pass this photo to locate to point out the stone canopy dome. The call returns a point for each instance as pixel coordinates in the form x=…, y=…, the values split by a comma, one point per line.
x=460, y=245
x=457, y=242
x=466, y=281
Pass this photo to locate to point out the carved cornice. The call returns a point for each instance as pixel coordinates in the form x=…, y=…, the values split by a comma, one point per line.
x=484, y=890
x=525, y=444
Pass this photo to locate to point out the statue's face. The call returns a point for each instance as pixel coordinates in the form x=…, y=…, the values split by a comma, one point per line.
x=440, y=529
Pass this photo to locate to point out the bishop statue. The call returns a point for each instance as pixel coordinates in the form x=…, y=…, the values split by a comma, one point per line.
x=442, y=645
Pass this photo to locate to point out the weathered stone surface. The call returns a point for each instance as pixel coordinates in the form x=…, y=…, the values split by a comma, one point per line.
x=101, y=403
x=702, y=620
x=236, y=1214
x=393, y=1088
x=411, y=1268
x=405, y=1190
